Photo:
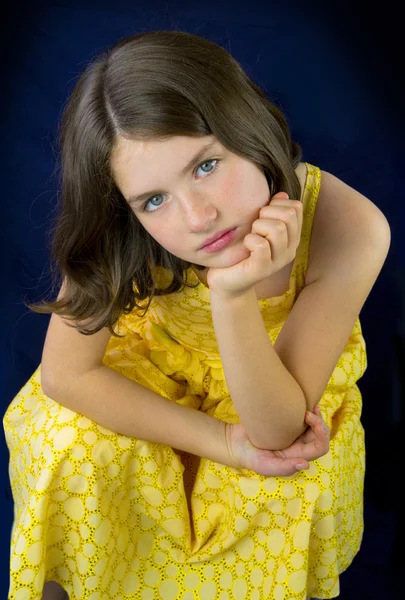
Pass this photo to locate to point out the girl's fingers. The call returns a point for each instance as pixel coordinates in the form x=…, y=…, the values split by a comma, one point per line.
x=280, y=467
x=280, y=195
x=317, y=424
x=256, y=243
x=315, y=417
x=259, y=263
x=310, y=418
x=285, y=466
x=266, y=227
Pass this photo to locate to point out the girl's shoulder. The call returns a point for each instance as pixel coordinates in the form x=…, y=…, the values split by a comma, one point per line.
x=342, y=223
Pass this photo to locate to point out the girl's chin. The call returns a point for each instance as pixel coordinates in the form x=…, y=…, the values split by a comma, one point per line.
x=224, y=259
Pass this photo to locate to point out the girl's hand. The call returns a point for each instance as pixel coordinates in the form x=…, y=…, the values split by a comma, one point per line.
x=272, y=244
x=312, y=444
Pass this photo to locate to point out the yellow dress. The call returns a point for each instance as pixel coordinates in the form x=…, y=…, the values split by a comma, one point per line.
x=112, y=517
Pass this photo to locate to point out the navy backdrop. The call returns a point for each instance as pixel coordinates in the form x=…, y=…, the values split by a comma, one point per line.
x=335, y=73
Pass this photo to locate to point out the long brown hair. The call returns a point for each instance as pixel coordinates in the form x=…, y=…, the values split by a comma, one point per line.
x=152, y=85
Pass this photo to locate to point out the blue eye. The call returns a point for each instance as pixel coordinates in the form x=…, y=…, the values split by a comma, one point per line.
x=206, y=162
x=156, y=206
x=150, y=201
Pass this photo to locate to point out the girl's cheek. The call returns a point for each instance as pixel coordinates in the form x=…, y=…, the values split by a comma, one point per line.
x=231, y=189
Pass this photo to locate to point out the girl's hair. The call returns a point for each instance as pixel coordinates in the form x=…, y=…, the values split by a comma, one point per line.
x=148, y=86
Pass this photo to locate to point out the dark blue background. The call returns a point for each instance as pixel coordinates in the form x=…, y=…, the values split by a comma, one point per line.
x=336, y=72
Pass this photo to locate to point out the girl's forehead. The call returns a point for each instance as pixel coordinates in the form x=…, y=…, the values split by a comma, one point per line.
x=158, y=162
x=173, y=152
x=125, y=147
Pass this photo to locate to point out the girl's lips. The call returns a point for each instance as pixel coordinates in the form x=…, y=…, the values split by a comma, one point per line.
x=221, y=242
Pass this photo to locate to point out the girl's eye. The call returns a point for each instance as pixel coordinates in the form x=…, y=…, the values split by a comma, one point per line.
x=150, y=203
x=206, y=162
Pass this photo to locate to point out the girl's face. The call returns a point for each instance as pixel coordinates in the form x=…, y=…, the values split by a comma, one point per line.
x=182, y=205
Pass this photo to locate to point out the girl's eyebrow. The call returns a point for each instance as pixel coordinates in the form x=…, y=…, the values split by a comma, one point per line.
x=135, y=200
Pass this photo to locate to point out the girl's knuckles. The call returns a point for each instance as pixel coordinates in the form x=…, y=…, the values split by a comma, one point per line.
x=280, y=226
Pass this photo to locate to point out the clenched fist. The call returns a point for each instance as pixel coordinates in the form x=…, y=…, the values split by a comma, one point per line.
x=272, y=243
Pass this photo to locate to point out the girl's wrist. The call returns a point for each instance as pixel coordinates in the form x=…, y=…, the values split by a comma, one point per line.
x=218, y=440
x=227, y=300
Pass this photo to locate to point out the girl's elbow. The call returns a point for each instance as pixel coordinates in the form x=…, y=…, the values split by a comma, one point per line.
x=281, y=438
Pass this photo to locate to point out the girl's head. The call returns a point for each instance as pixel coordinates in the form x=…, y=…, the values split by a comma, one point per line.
x=182, y=203
x=137, y=116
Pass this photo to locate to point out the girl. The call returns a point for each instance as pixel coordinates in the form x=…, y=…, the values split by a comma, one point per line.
x=211, y=284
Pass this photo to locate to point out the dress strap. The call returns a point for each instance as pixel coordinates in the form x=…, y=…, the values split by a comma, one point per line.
x=309, y=199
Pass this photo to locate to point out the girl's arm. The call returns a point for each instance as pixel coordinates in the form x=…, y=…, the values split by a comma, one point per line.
x=272, y=386
x=73, y=374
x=267, y=398
x=126, y=407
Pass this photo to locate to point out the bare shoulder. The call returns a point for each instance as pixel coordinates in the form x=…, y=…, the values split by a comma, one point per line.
x=344, y=220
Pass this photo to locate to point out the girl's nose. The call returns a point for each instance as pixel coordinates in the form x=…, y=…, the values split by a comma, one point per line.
x=200, y=213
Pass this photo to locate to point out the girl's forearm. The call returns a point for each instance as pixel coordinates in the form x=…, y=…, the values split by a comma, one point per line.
x=126, y=407
x=269, y=401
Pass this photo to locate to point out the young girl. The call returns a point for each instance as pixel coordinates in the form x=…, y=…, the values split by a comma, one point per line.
x=171, y=443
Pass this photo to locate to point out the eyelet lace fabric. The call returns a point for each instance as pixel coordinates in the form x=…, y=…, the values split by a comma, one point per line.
x=112, y=517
